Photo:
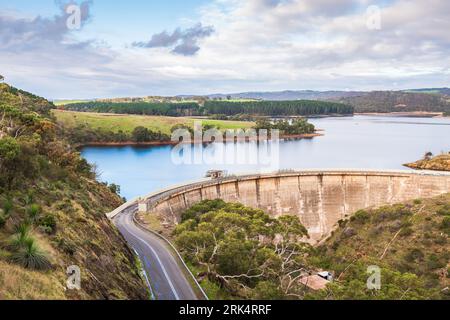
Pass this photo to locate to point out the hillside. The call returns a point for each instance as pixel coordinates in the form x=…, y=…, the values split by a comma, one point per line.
x=443, y=91
x=287, y=95
x=397, y=101
x=438, y=163
x=409, y=242
x=52, y=213
x=127, y=123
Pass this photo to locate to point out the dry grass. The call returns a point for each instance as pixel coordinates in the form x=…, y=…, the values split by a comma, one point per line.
x=17, y=283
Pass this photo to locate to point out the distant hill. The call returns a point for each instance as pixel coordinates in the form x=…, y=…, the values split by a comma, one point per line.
x=443, y=91
x=397, y=101
x=422, y=99
x=287, y=95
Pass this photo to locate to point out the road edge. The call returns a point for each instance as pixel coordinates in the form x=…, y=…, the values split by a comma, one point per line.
x=178, y=255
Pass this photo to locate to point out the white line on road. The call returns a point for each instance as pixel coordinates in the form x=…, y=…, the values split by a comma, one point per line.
x=162, y=267
x=152, y=295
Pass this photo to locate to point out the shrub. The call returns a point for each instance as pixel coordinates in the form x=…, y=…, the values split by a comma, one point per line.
x=2, y=220
x=360, y=217
x=445, y=225
x=406, y=232
x=67, y=246
x=48, y=224
x=433, y=262
x=414, y=254
x=7, y=207
x=34, y=212
x=444, y=211
x=18, y=240
x=30, y=256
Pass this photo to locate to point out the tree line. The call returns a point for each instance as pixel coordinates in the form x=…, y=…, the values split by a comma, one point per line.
x=140, y=108
x=277, y=108
x=224, y=108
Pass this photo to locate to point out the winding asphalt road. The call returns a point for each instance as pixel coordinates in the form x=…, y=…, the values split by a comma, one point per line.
x=164, y=275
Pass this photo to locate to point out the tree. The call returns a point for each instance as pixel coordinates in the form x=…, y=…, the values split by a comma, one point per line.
x=9, y=153
x=428, y=156
x=141, y=134
x=1, y=78
x=244, y=250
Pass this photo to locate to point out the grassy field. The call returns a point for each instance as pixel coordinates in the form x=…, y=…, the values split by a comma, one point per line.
x=64, y=102
x=127, y=123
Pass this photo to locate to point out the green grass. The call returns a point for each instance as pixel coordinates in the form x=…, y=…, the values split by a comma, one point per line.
x=64, y=102
x=127, y=123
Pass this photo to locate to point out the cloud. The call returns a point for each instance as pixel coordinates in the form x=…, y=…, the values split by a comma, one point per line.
x=17, y=33
x=185, y=41
x=254, y=45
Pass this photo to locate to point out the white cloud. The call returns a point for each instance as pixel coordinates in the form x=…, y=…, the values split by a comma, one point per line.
x=257, y=45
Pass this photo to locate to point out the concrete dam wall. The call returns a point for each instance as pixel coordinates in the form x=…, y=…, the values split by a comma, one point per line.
x=319, y=198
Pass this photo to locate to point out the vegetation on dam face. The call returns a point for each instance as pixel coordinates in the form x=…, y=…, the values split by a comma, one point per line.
x=52, y=213
x=239, y=252
x=429, y=162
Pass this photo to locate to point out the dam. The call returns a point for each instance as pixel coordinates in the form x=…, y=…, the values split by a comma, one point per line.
x=320, y=198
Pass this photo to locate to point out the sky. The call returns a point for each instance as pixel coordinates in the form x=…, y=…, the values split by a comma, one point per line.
x=67, y=49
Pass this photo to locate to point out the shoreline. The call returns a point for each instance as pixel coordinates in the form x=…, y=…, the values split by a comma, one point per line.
x=173, y=143
x=411, y=114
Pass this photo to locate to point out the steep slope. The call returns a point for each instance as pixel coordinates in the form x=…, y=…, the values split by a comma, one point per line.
x=52, y=213
x=409, y=243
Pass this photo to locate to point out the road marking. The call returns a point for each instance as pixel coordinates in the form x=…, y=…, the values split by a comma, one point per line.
x=174, y=291
x=152, y=295
x=162, y=267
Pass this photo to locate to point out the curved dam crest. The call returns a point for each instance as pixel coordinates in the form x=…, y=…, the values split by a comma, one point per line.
x=320, y=198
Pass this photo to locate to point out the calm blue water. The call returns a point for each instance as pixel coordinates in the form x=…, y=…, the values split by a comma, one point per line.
x=354, y=142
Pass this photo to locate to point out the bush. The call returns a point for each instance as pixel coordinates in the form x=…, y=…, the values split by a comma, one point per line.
x=67, y=246
x=48, y=223
x=444, y=211
x=33, y=212
x=18, y=240
x=2, y=220
x=433, y=262
x=7, y=207
x=414, y=255
x=445, y=225
x=406, y=232
x=360, y=217
x=30, y=256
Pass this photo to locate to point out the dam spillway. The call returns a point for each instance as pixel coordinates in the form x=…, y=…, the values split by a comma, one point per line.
x=320, y=198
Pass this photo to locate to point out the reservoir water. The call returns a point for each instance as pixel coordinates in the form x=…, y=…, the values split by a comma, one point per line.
x=360, y=142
